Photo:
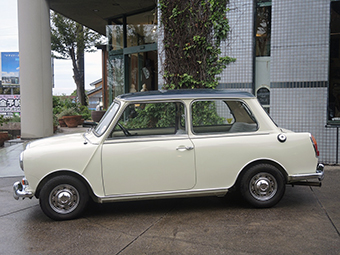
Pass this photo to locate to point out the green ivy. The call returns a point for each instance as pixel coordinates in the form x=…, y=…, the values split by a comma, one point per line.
x=193, y=32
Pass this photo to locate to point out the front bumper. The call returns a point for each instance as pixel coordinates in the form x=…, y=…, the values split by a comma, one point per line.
x=319, y=174
x=20, y=190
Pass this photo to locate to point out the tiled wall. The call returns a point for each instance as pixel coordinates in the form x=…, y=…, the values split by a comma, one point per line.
x=300, y=40
x=299, y=65
x=239, y=44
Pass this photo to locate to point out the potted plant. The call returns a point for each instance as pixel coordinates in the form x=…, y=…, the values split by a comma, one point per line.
x=71, y=117
x=61, y=122
x=97, y=115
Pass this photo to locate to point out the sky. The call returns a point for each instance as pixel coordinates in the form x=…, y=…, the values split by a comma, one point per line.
x=63, y=81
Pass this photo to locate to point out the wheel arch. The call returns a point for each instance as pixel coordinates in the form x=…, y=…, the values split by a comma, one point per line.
x=69, y=173
x=258, y=162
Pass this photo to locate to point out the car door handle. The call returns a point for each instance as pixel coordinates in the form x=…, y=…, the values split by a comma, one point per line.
x=184, y=148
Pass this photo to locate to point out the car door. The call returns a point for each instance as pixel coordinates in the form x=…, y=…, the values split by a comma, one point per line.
x=224, y=133
x=149, y=151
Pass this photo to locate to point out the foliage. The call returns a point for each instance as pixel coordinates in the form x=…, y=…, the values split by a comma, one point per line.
x=61, y=105
x=152, y=116
x=69, y=40
x=15, y=118
x=193, y=32
x=3, y=120
x=204, y=113
x=157, y=115
x=55, y=121
x=74, y=93
x=68, y=112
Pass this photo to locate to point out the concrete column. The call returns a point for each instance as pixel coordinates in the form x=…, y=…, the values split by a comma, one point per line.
x=35, y=69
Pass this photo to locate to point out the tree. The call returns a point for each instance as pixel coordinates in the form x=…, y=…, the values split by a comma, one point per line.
x=193, y=32
x=69, y=40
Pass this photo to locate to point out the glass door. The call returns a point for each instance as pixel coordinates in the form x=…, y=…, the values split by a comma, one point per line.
x=132, y=54
x=142, y=74
x=115, y=74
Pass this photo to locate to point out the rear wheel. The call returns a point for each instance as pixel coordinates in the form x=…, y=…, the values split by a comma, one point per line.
x=63, y=198
x=263, y=185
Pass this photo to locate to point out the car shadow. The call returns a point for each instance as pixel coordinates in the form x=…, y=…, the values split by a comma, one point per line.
x=231, y=201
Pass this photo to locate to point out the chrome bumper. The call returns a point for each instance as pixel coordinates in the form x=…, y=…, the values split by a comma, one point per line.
x=20, y=190
x=319, y=174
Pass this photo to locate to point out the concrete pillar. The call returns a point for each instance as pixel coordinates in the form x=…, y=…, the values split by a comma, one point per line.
x=35, y=69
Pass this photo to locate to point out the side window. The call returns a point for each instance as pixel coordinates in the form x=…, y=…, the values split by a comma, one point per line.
x=145, y=119
x=222, y=116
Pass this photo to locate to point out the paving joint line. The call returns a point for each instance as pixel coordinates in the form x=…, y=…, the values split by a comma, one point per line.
x=325, y=211
x=20, y=210
x=142, y=233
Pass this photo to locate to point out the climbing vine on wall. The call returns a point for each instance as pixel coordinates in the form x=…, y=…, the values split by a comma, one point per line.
x=193, y=32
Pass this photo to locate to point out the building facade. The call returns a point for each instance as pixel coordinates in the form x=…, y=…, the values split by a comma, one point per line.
x=287, y=54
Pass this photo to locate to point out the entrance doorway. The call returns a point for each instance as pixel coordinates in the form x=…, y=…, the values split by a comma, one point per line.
x=142, y=73
x=334, y=66
x=132, y=54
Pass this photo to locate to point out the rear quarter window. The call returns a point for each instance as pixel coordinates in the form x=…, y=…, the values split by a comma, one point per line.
x=222, y=116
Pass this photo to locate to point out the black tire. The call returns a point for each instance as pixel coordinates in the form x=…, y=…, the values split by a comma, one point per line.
x=263, y=185
x=63, y=197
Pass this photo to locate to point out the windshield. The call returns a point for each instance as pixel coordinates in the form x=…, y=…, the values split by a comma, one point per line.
x=106, y=120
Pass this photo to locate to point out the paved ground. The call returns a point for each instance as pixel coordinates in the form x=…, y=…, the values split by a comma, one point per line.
x=306, y=221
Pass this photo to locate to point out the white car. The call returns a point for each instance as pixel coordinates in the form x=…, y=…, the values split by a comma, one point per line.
x=166, y=144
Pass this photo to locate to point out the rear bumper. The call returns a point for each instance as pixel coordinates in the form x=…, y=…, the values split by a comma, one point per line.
x=319, y=174
x=19, y=189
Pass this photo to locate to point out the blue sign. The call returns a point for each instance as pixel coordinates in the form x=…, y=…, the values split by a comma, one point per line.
x=10, y=68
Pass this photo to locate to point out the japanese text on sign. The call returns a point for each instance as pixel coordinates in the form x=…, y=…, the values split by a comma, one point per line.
x=9, y=104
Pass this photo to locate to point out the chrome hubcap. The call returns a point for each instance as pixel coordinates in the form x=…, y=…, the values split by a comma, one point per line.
x=64, y=199
x=263, y=186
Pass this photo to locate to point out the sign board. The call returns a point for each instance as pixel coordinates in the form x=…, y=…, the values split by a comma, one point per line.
x=9, y=105
x=263, y=95
x=10, y=68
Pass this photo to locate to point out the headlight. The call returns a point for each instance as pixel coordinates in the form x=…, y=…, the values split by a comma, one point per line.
x=21, y=158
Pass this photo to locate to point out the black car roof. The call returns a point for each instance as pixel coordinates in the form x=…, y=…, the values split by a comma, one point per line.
x=185, y=94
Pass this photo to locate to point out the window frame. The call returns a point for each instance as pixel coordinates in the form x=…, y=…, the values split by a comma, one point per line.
x=112, y=138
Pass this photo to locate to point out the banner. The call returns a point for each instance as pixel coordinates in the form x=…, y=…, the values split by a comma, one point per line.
x=9, y=105
x=10, y=68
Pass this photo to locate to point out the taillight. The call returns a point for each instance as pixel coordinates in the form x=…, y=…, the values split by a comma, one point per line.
x=315, y=145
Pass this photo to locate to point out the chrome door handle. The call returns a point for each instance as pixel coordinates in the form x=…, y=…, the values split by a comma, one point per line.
x=184, y=148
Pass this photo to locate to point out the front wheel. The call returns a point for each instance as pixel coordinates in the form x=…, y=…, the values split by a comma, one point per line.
x=263, y=185
x=63, y=198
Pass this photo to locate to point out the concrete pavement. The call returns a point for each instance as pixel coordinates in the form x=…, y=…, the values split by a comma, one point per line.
x=306, y=221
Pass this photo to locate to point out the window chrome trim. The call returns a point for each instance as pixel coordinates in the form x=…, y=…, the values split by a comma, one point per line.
x=155, y=138
x=113, y=117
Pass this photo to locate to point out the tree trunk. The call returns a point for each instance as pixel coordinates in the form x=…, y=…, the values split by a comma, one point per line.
x=78, y=71
x=80, y=82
